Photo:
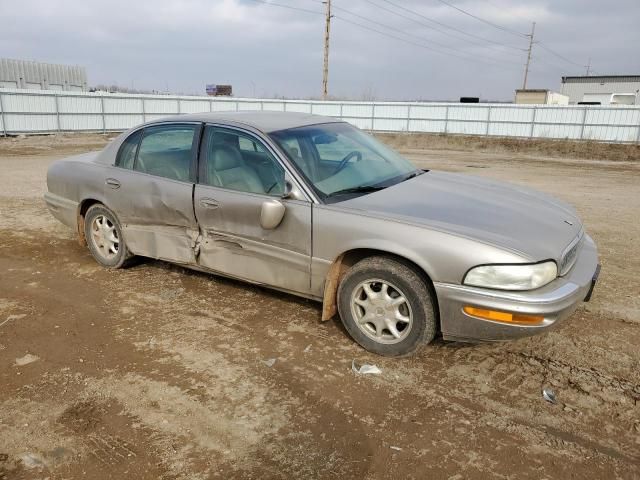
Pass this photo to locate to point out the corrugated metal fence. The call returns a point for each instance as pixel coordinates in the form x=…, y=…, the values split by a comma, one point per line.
x=26, y=111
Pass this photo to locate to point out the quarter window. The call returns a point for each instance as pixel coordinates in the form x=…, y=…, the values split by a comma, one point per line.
x=166, y=151
x=127, y=152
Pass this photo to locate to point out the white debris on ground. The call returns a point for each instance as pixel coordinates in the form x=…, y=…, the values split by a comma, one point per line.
x=26, y=360
x=365, y=369
x=269, y=362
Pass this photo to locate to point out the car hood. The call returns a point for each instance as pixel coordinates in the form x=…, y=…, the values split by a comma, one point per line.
x=519, y=219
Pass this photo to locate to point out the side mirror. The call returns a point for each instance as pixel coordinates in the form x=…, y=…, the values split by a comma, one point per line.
x=271, y=214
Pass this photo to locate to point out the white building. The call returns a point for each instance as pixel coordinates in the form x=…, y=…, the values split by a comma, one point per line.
x=540, y=97
x=41, y=76
x=606, y=89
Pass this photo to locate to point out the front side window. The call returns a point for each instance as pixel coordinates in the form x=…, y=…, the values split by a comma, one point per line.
x=166, y=151
x=341, y=161
x=238, y=161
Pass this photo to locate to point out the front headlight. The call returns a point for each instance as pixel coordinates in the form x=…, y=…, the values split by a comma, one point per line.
x=512, y=277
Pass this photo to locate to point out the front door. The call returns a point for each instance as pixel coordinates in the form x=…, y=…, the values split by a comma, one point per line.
x=150, y=190
x=238, y=175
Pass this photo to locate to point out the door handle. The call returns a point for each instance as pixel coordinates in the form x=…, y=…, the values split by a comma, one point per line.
x=208, y=203
x=112, y=182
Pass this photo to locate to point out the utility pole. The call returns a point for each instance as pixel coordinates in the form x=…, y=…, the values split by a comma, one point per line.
x=325, y=70
x=589, y=66
x=526, y=70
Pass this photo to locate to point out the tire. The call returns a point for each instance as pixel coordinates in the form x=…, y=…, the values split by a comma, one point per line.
x=108, y=250
x=393, y=321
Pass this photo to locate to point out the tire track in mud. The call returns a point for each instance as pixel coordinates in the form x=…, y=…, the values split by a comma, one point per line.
x=583, y=379
x=617, y=414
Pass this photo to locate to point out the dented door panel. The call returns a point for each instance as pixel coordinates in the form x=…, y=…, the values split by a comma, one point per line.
x=156, y=215
x=234, y=243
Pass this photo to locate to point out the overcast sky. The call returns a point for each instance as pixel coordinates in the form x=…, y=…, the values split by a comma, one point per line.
x=265, y=50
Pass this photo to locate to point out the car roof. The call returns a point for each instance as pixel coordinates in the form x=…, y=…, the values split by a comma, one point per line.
x=264, y=121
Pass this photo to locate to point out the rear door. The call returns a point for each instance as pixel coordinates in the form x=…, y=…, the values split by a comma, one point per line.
x=238, y=175
x=150, y=189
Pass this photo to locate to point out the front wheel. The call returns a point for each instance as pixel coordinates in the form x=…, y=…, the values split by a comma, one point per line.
x=386, y=307
x=104, y=237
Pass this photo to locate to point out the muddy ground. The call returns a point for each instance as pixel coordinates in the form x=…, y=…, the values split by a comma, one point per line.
x=159, y=372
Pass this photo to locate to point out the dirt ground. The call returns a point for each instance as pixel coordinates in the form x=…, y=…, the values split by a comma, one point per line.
x=155, y=371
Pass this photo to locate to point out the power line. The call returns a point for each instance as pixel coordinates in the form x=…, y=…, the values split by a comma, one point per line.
x=264, y=2
x=444, y=25
x=419, y=38
x=468, y=34
x=472, y=57
x=543, y=46
x=365, y=27
x=495, y=25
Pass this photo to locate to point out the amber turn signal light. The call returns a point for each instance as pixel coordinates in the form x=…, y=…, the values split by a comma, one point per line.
x=504, y=317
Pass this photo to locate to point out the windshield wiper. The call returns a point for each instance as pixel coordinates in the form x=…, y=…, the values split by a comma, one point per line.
x=360, y=189
x=412, y=175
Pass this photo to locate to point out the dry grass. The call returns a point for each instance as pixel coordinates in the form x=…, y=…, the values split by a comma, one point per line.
x=552, y=148
x=67, y=143
x=59, y=143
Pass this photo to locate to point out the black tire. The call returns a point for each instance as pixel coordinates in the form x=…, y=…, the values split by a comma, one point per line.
x=403, y=280
x=113, y=260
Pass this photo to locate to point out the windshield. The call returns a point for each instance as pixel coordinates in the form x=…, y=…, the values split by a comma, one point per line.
x=341, y=161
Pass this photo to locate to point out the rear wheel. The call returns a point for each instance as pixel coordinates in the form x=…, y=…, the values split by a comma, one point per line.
x=104, y=237
x=386, y=307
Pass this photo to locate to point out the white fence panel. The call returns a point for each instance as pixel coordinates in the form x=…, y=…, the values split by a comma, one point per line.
x=570, y=132
x=166, y=107
x=389, y=125
x=509, y=129
x=194, y=106
x=17, y=122
x=49, y=111
x=121, y=122
x=512, y=114
x=468, y=113
x=224, y=106
x=328, y=109
x=357, y=111
x=298, y=107
x=559, y=115
x=466, y=128
x=122, y=105
x=29, y=104
x=431, y=112
x=80, y=122
x=272, y=106
x=392, y=111
x=249, y=106
x=77, y=105
x=427, y=126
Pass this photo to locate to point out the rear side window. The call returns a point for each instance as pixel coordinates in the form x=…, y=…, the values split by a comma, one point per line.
x=127, y=152
x=166, y=151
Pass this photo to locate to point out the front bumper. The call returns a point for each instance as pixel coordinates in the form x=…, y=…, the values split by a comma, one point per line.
x=555, y=301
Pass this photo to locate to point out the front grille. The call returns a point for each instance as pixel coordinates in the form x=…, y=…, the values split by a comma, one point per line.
x=570, y=255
